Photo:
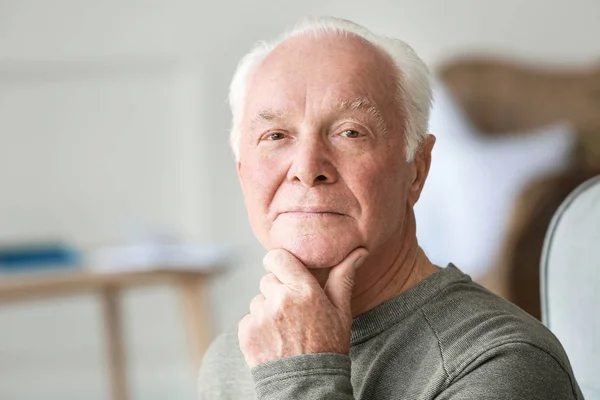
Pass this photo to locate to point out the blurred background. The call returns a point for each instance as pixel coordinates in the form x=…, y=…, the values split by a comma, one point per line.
x=114, y=147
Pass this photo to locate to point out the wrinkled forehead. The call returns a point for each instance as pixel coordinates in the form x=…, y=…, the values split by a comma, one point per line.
x=320, y=72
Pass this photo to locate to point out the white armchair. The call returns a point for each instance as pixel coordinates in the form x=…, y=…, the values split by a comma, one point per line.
x=570, y=283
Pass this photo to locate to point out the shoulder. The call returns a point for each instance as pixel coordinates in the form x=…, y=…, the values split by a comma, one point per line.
x=470, y=322
x=514, y=370
x=224, y=373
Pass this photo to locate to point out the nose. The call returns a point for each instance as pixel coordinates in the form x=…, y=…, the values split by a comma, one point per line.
x=311, y=163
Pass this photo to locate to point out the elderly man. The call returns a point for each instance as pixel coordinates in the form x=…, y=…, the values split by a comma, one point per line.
x=330, y=136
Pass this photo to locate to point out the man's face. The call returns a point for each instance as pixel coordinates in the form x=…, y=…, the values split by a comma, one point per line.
x=322, y=161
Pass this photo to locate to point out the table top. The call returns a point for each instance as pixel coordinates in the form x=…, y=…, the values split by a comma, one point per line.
x=13, y=287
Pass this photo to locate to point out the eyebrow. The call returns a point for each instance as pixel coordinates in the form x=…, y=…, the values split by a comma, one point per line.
x=266, y=115
x=367, y=106
x=354, y=104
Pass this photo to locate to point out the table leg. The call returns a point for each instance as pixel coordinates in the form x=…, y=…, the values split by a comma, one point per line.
x=114, y=343
x=197, y=318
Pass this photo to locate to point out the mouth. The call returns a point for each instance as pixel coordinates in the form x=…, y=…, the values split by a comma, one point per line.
x=312, y=213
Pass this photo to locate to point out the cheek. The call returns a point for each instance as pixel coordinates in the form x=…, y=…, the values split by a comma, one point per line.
x=381, y=188
x=260, y=177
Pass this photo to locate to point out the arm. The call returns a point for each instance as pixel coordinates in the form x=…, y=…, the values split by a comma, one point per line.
x=223, y=373
x=324, y=376
x=507, y=372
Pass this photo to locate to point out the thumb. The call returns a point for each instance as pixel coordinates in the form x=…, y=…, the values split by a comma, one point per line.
x=341, y=280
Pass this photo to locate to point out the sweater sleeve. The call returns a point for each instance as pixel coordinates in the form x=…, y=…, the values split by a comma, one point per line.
x=513, y=371
x=224, y=374
x=324, y=376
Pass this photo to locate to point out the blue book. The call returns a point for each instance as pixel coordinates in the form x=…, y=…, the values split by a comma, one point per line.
x=36, y=256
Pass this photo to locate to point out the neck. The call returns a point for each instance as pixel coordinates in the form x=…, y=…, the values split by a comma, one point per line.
x=401, y=265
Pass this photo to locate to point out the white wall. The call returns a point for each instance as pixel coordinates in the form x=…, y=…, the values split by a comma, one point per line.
x=113, y=113
x=90, y=148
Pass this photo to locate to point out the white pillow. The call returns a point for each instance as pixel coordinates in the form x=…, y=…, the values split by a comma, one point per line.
x=466, y=203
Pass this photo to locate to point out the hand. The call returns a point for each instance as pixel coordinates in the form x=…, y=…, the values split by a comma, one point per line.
x=293, y=315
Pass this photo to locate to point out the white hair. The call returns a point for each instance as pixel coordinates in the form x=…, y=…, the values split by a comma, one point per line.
x=413, y=85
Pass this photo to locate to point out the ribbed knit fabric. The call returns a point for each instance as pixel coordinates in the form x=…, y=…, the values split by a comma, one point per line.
x=446, y=338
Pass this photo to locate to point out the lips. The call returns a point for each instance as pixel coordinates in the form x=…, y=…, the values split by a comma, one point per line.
x=312, y=211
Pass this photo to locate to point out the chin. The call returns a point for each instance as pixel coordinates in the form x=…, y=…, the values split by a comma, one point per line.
x=317, y=251
x=318, y=242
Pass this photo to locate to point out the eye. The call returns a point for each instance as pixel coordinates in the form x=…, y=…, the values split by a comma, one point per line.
x=274, y=136
x=351, y=134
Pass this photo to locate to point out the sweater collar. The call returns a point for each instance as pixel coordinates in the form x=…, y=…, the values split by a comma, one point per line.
x=393, y=311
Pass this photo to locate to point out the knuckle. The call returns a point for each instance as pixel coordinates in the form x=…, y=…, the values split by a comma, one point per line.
x=309, y=291
x=266, y=280
x=244, y=330
x=244, y=323
x=273, y=256
x=267, y=258
x=257, y=298
x=256, y=304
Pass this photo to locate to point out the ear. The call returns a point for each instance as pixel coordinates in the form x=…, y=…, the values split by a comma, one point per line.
x=238, y=166
x=422, y=162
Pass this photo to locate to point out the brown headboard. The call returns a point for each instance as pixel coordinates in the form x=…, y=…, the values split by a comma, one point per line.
x=504, y=96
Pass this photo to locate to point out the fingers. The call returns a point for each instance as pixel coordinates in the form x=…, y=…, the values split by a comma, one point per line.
x=288, y=269
x=269, y=285
x=341, y=280
x=257, y=304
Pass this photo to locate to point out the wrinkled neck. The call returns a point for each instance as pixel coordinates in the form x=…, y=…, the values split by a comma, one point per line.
x=400, y=265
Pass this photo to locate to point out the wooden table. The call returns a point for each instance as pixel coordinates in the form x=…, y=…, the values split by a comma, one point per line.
x=108, y=287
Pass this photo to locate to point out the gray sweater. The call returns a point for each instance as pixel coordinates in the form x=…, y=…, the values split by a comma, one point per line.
x=447, y=338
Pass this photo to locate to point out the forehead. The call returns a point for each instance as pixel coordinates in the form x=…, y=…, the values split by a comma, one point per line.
x=320, y=71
